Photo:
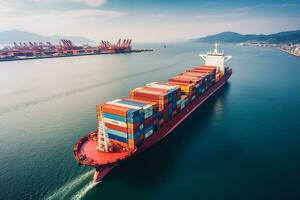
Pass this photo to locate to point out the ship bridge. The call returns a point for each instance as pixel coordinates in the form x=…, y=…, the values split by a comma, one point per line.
x=215, y=58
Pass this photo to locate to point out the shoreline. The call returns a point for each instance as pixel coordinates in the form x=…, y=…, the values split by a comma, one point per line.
x=72, y=55
x=288, y=52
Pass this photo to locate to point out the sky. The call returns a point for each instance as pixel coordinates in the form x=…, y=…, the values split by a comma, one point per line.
x=148, y=20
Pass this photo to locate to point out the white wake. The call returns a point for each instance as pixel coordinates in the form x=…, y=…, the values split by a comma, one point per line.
x=83, y=191
x=65, y=190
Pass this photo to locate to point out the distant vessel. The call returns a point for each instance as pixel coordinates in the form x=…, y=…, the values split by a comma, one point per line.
x=131, y=125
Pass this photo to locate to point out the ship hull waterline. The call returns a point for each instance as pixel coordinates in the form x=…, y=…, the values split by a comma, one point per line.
x=103, y=169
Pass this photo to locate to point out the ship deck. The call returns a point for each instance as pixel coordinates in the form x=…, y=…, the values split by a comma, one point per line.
x=86, y=154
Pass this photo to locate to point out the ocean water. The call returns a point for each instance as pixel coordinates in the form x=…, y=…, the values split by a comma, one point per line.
x=243, y=143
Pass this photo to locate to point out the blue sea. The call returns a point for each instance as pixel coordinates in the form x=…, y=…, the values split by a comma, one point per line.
x=243, y=143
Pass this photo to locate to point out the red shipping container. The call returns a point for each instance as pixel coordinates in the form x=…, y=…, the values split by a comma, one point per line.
x=211, y=70
x=155, y=89
x=195, y=74
x=148, y=121
x=180, y=80
x=144, y=92
x=115, y=127
x=198, y=71
x=207, y=67
x=206, y=71
x=194, y=78
x=181, y=83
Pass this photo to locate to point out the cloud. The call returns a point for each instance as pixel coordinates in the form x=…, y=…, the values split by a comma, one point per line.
x=92, y=3
x=65, y=15
x=88, y=13
x=6, y=6
x=60, y=22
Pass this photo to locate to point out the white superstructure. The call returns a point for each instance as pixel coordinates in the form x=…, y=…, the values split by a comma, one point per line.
x=215, y=58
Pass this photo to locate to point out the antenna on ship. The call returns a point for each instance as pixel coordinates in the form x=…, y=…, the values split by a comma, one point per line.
x=216, y=48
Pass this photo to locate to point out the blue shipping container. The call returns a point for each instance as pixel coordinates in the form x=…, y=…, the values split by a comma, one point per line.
x=114, y=117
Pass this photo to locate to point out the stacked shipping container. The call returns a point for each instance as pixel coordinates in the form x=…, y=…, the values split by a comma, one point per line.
x=165, y=95
x=127, y=122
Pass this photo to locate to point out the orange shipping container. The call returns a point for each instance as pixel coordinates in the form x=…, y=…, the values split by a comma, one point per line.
x=188, y=77
x=116, y=110
x=185, y=79
x=156, y=89
x=180, y=80
x=196, y=74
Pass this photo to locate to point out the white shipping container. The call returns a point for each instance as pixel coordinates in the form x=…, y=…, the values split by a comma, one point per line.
x=159, y=86
x=114, y=122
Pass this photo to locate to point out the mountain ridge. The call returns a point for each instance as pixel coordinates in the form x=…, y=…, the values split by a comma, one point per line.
x=233, y=37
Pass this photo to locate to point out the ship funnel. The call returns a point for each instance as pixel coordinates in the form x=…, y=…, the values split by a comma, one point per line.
x=215, y=58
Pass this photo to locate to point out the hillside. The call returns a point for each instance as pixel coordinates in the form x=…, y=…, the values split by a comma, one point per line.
x=232, y=37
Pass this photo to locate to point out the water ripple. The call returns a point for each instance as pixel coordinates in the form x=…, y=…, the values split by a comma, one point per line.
x=75, y=91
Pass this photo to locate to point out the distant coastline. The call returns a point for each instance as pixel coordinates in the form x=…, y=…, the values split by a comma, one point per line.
x=289, y=52
x=71, y=55
x=292, y=49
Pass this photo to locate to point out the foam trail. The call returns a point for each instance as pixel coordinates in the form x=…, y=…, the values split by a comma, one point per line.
x=68, y=187
x=83, y=191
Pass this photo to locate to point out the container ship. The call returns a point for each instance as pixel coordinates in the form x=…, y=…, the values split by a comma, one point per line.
x=128, y=126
